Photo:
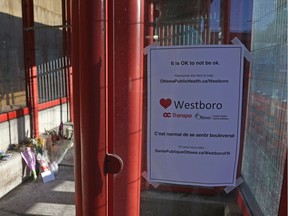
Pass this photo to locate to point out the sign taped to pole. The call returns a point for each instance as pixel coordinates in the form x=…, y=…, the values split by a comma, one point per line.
x=194, y=114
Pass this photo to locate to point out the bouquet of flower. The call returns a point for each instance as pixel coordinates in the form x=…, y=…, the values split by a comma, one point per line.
x=57, y=144
x=29, y=157
x=48, y=150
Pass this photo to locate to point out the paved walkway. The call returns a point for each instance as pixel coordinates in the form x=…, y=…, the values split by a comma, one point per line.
x=57, y=198
x=37, y=198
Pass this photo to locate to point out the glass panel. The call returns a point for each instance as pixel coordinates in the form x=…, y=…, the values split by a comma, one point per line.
x=186, y=22
x=197, y=22
x=182, y=22
x=266, y=133
x=12, y=75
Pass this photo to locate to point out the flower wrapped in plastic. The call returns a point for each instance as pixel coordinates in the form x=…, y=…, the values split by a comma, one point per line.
x=57, y=145
x=29, y=157
x=48, y=150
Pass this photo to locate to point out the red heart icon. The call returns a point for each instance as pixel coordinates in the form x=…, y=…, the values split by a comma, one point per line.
x=165, y=102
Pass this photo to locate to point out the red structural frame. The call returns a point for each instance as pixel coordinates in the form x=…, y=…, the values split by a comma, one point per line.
x=122, y=46
x=14, y=114
x=89, y=58
x=283, y=201
x=76, y=104
x=33, y=107
x=67, y=34
x=30, y=64
x=128, y=40
x=107, y=115
x=242, y=204
x=25, y=111
x=110, y=96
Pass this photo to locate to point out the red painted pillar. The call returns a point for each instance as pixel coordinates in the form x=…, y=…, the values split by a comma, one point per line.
x=88, y=63
x=92, y=24
x=67, y=30
x=30, y=64
x=76, y=106
x=149, y=22
x=110, y=96
x=149, y=18
x=226, y=7
x=128, y=97
x=207, y=22
x=92, y=105
x=283, y=199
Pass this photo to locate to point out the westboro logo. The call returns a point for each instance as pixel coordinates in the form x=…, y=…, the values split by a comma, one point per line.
x=183, y=105
x=195, y=105
x=165, y=103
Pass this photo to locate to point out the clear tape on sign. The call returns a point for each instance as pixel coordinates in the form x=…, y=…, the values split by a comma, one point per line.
x=239, y=181
x=247, y=54
x=146, y=49
x=155, y=185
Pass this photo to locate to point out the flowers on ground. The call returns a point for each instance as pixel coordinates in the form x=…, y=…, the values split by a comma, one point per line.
x=44, y=153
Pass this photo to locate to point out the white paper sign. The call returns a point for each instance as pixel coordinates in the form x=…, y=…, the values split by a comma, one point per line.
x=194, y=114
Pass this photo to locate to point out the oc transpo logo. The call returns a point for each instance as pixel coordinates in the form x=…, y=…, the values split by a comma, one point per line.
x=165, y=103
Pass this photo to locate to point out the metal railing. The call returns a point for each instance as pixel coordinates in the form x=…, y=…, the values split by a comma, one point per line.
x=52, y=79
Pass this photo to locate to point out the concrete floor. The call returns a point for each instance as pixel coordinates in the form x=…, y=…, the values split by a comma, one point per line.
x=155, y=203
x=37, y=198
x=57, y=198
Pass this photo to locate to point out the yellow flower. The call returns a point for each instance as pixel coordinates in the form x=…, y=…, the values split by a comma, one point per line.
x=40, y=141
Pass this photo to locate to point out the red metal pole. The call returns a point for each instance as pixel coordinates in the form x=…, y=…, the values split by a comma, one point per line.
x=149, y=33
x=110, y=96
x=76, y=106
x=128, y=80
x=30, y=64
x=226, y=7
x=207, y=22
x=149, y=22
x=66, y=22
x=283, y=199
x=92, y=61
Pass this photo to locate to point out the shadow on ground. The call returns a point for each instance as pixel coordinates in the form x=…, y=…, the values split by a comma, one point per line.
x=44, y=199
